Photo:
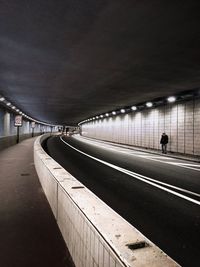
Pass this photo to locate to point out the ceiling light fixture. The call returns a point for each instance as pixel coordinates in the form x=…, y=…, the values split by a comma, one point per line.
x=122, y=110
x=114, y=112
x=171, y=99
x=134, y=108
x=149, y=104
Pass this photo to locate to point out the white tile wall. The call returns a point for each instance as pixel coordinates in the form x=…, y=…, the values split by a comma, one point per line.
x=144, y=136
x=138, y=128
x=173, y=127
x=161, y=123
x=156, y=132
x=181, y=128
x=131, y=129
x=197, y=128
x=181, y=122
x=168, y=124
x=150, y=126
x=189, y=124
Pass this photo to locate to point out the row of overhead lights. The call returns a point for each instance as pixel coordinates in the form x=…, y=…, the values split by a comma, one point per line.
x=170, y=99
x=18, y=111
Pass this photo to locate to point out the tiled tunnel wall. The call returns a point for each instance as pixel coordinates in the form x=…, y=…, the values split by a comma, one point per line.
x=8, y=131
x=180, y=121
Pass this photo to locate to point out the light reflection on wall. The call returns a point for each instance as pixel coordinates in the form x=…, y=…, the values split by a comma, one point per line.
x=181, y=122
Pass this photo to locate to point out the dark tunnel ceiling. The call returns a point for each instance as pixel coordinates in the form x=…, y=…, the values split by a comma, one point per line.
x=64, y=61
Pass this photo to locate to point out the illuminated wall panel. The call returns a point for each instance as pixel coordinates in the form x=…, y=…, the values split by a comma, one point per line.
x=181, y=128
x=173, y=127
x=156, y=132
x=197, y=128
x=180, y=121
x=189, y=128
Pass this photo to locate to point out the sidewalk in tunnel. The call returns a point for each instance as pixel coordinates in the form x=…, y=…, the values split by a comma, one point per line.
x=176, y=155
x=29, y=235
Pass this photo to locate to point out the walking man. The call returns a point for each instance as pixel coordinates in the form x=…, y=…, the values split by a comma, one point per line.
x=164, y=142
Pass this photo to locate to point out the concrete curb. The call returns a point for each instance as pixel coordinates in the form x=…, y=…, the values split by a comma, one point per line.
x=94, y=234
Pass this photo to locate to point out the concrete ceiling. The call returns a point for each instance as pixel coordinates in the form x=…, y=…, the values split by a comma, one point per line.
x=63, y=61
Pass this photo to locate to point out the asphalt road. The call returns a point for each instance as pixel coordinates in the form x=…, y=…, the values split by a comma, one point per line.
x=159, y=195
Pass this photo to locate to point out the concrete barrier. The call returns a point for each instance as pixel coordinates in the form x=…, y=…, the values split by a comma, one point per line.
x=95, y=235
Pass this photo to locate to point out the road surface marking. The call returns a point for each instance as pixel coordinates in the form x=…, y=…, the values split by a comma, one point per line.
x=141, y=177
x=144, y=155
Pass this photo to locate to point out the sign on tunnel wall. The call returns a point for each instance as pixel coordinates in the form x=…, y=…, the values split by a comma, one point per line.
x=33, y=124
x=18, y=121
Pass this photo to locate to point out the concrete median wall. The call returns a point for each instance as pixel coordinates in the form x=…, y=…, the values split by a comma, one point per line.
x=181, y=122
x=95, y=235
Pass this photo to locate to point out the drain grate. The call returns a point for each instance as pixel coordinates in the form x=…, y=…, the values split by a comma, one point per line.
x=137, y=245
x=56, y=168
x=77, y=187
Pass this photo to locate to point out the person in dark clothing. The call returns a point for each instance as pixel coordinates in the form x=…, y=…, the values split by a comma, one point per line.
x=164, y=142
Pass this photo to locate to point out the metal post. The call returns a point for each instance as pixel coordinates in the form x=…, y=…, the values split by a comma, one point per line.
x=17, y=134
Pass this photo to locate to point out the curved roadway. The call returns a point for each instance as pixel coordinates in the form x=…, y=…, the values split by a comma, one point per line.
x=157, y=194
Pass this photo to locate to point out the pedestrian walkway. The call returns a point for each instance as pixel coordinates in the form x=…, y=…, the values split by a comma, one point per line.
x=149, y=150
x=29, y=235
